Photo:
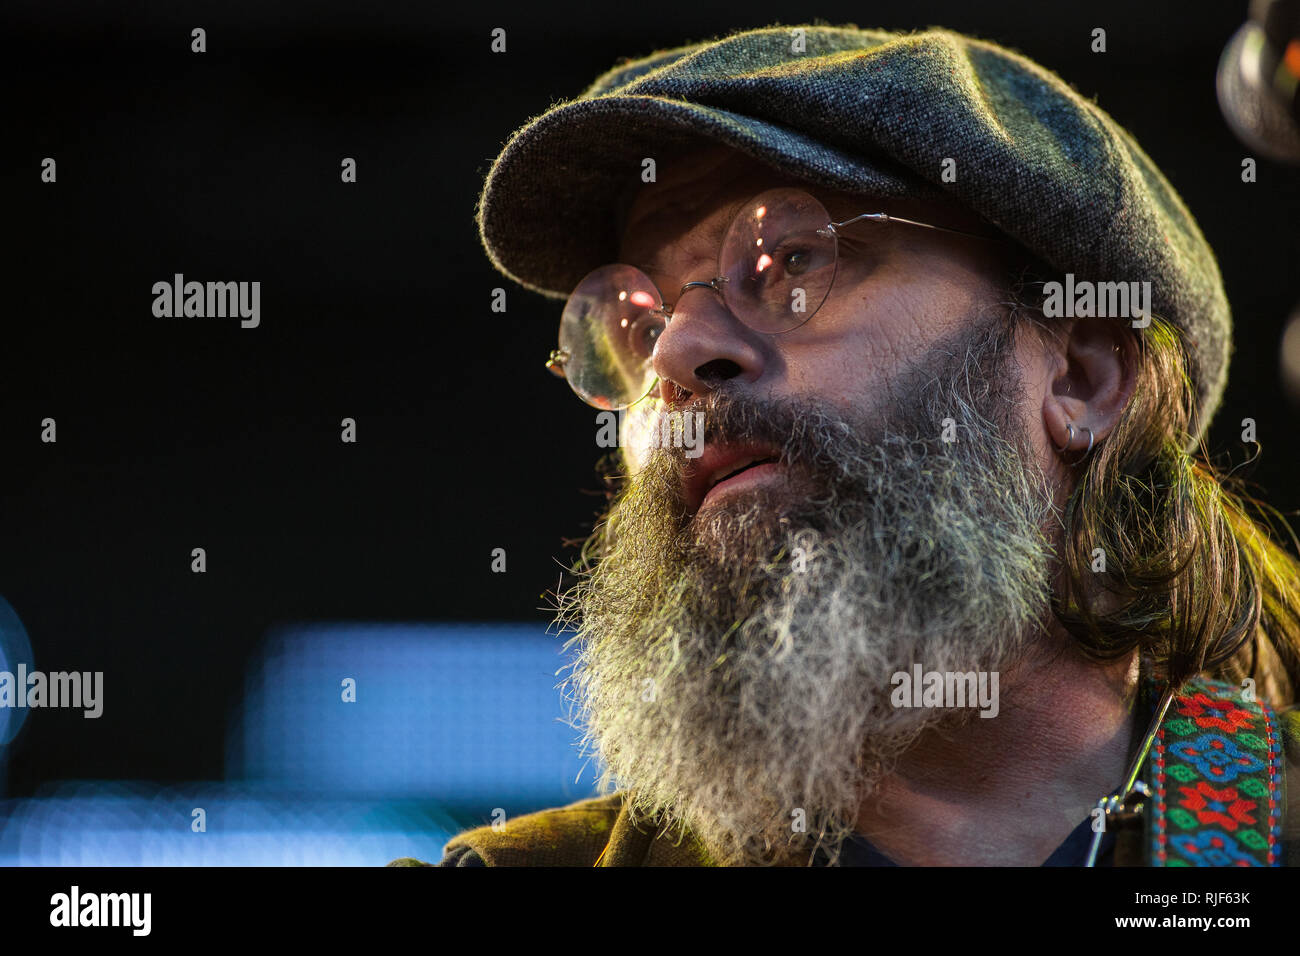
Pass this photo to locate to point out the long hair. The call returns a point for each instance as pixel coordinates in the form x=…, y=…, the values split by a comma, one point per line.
x=1165, y=553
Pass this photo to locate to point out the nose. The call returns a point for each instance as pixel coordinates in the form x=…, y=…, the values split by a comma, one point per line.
x=702, y=346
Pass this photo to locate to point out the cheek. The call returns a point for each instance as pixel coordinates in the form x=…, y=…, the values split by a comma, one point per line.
x=844, y=368
x=850, y=350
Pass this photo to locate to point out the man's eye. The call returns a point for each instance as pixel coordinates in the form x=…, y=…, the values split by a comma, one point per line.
x=796, y=263
x=642, y=334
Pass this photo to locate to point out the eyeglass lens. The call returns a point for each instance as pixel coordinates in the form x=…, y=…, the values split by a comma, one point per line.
x=776, y=265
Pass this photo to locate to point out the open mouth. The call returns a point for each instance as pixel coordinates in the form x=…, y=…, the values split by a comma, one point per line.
x=724, y=468
x=725, y=474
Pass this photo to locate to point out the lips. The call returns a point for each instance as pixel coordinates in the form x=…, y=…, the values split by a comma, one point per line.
x=724, y=464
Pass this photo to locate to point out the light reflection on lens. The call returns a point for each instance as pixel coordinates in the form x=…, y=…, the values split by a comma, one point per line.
x=778, y=288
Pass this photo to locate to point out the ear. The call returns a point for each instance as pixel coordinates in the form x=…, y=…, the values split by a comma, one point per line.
x=1093, y=381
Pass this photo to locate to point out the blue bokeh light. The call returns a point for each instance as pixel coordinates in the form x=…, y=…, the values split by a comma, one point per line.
x=449, y=723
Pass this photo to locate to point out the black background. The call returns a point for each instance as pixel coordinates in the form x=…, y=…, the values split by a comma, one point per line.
x=183, y=433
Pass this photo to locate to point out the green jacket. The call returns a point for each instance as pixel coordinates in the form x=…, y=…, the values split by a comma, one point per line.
x=594, y=832
x=1217, y=775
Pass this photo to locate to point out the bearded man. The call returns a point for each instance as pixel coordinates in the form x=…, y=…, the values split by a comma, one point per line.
x=919, y=473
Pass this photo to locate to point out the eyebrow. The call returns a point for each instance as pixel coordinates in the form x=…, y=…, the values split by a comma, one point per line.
x=654, y=263
x=652, y=267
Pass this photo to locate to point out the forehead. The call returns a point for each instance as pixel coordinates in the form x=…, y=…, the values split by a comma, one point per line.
x=700, y=192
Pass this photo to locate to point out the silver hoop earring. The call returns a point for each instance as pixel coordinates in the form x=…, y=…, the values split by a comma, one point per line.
x=1083, y=457
x=1069, y=430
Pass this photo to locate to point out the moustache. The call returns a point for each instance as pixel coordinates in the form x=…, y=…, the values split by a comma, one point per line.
x=801, y=429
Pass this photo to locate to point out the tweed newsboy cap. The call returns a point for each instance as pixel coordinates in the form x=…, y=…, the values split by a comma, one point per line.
x=870, y=112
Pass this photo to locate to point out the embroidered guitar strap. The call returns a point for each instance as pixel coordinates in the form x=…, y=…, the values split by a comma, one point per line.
x=1215, y=773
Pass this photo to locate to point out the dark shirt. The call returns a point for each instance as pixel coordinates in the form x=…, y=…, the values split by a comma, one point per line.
x=857, y=851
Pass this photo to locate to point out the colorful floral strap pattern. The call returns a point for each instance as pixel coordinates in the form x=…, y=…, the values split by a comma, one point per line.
x=1215, y=773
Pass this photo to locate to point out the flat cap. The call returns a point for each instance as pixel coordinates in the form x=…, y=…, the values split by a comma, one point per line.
x=876, y=113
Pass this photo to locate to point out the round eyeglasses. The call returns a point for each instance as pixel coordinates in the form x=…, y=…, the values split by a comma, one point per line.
x=776, y=267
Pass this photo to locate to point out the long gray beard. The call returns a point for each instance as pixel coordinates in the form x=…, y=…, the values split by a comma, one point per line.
x=734, y=670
